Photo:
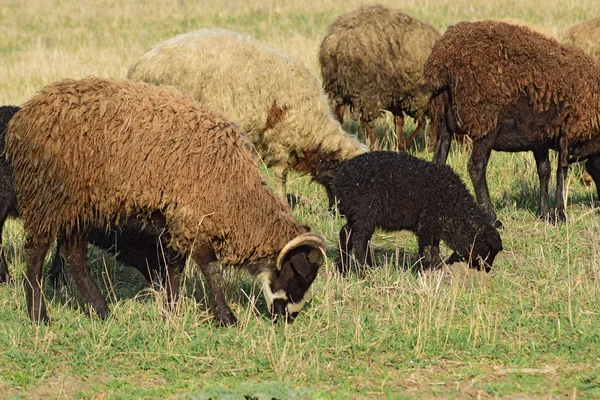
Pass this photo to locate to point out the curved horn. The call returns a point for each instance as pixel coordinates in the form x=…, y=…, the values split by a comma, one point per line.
x=306, y=239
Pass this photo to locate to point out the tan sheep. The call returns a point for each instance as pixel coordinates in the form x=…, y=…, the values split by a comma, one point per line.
x=278, y=102
x=372, y=60
x=586, y=36
x=96, y=152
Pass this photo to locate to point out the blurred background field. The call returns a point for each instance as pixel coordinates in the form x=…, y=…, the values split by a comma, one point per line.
x=529, y=329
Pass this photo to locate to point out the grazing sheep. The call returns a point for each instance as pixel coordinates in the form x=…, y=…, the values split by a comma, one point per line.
x=372, y=60
x=396, y=191
x=8, y=198
x=512, y=89
x=135, y=248
x=98, y=152
x=278, y=102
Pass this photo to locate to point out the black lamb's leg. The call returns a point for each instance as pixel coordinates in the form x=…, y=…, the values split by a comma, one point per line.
x=429, y=251
x=4, y=275
x=360, y=241
x=57, y=268
x=174, y=268
x=561, y=174
x=204, y=256
x=542, y=162
x=477, y=166
x=592, y=166
x=74, y=249
x=36, y=249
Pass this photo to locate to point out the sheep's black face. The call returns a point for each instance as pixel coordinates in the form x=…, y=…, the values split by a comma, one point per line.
x=487, y=245
x=285, y=289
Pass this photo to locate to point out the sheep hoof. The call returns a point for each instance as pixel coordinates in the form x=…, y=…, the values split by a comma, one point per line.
x=6, y=278
x=226, y=320
x=101, y=310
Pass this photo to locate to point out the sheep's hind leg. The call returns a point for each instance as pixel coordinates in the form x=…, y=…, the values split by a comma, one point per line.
x=443, y=142
x=399, y=123
x=57, y=269
x=542, y=162
x=592, y=166
x=73, y=250
x=421, y=122
x=205, y=257
x=174, y=268
x=36, y=249
x=561, y=173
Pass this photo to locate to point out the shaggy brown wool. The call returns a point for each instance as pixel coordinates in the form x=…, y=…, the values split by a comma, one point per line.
x=372, y=59
x=586, y=36
x=470, y=60
x=94, y=151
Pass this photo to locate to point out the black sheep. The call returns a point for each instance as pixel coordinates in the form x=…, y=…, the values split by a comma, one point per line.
x=395, y=191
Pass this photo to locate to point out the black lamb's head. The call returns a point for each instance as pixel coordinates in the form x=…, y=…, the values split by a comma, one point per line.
x=285, y=286
x=486, y=246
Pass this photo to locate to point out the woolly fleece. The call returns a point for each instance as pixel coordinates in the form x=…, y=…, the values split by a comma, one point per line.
x=278, y=102
x=373, y=58
x=95, y=151
x=488, y=66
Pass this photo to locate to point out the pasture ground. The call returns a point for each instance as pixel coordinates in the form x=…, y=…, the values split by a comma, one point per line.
x=530, y=329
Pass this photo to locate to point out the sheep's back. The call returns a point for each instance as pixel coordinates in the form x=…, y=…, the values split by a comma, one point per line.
x=92, y=151
x=488, y=66
x=375, y=56
x=586, y=36
x=394, y=191
x=277, y=100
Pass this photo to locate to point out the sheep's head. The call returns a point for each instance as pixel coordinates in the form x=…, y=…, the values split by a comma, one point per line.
x=485, y=248
x=285, y=286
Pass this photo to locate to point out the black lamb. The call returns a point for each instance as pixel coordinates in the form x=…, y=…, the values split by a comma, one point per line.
x=396, y=191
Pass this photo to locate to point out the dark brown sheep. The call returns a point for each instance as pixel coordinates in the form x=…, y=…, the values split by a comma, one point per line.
x=372, y=60
x=96, y=152
x=512, y=89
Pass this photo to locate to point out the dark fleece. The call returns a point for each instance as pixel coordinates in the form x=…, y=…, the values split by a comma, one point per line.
x=396, y=191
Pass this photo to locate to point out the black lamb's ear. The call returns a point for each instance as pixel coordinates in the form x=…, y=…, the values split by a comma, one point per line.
x=492, y=238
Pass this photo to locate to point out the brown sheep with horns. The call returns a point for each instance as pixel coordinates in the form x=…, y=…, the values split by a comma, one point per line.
x=95, y=152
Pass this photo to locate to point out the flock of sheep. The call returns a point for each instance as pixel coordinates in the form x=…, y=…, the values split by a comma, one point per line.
x=167, y=161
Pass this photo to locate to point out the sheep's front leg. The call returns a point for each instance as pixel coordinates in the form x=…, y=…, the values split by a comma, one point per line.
x=477, y=171
x=429, y=251
x=361, y=234
x=340, y=109
x=561, y=173
x=542, y=162
x=36, y=250
x=73, y=250
x=205, y=257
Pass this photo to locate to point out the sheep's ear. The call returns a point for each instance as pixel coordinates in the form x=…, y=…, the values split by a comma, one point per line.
x=312, y=240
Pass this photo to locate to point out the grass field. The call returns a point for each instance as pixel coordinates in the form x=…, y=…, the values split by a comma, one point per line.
x=530, y=329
